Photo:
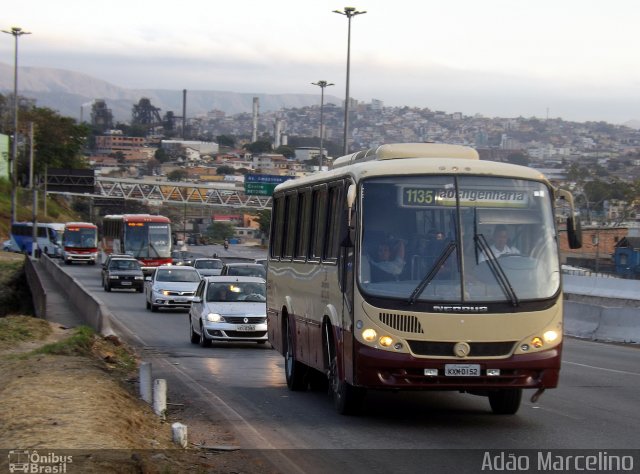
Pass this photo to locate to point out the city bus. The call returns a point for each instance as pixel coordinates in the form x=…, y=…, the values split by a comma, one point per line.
x=381, y=275
x=48, y=238
x=80, y=243
x=143, y=236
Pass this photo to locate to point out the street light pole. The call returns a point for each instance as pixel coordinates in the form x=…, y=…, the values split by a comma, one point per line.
x=322, y=85
x=348, y=12
x=13, y=166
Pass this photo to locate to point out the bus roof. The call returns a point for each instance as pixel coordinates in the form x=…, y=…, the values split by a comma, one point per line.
x=80, y=224
x=137, y=217
x=415, y=158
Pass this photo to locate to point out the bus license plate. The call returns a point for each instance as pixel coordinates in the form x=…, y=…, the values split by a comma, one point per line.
x=462, y=370
x=246, y=327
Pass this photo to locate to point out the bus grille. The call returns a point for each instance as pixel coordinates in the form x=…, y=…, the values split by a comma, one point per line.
x=402, y=322
x=445, y=349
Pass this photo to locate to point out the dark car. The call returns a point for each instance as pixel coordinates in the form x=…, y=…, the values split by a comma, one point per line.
x=182, y=257
x=123, y=273
x=244, y=269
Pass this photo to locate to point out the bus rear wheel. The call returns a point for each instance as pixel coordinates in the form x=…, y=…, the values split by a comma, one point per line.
x=506, y=401
x=294, y=371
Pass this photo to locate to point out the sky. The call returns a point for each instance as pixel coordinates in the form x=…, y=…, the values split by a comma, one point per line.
x=573, y=59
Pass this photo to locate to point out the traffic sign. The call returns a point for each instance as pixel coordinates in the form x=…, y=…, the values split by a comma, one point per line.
x=262, y=184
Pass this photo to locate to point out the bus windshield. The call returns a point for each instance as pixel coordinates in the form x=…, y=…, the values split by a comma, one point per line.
x=147, y=240
x=80, y=237
x=457, y=239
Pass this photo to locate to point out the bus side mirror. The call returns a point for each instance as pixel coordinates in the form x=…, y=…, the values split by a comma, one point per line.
x=574, y=232
x=346, y=239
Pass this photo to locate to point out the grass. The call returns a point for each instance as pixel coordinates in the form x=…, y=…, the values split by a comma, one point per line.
x=17, y=329
x=79, y=343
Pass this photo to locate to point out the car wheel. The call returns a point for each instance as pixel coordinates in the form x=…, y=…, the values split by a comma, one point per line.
x=139, y=290
x=203, y=339
x=147, y=303
x=154, y=308
x=195, y=338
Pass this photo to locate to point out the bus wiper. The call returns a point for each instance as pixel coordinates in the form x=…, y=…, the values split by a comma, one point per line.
x=433, y=272
x=496, y=268
x=154, y=249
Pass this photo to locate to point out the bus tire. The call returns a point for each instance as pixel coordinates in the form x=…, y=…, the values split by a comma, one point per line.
x=505, y=401
x=347, y=399
x=294, y=371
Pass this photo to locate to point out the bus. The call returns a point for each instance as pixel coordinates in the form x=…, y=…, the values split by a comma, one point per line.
x=381, y=275
x=80, y=243
x=48, y=238
x=145, y=237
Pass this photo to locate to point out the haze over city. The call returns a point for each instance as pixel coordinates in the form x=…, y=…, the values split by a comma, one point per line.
x=572, y=59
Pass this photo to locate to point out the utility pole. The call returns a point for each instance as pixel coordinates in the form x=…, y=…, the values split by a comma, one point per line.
x=322, y=85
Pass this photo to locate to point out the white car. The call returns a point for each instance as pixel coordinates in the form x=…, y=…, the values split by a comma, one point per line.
x=229, y=308
x=208, y=266
x=171, y=287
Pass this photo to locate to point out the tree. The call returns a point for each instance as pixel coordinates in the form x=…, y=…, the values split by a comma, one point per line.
x=58, y=141
x=264, y=221
x=221, y=170
x=161, y=155
x=260, y=146
x=226, y=140
x=286, y=151
x=177, y=175
x=518, y=159
x=220, y=231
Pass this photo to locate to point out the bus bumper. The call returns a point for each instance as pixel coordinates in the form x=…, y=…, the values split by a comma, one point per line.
x=379, y=369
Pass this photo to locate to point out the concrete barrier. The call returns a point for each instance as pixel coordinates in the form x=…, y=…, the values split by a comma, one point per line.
x=92, y=310
x=38, y=293
x=600, y=323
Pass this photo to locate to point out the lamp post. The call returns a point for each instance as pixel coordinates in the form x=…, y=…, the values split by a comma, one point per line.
x=349, y=12
x=16, y=32
x=322, y=85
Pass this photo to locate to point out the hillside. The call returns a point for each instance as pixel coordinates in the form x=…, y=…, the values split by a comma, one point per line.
x=68, y=92
x=58, y=209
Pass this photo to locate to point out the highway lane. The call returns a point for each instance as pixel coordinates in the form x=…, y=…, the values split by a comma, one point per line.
x=595, y=406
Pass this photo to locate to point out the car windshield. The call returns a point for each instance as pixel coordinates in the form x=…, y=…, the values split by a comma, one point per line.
x=177, y=275
x=124, y=265
x=208, y=264
x=236, y=291
x=257, y=271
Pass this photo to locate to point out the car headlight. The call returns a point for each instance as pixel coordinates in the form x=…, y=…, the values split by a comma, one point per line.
x=215, y=318
x=114, y=277
x=139, y=278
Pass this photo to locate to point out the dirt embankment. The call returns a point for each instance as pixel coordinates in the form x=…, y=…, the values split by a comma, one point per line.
x=72, y=390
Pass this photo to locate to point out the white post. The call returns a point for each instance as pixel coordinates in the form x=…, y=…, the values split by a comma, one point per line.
x=160, y=397
x=145, y=382
x=179, y=434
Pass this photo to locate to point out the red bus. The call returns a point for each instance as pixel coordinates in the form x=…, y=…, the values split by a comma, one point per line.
x=80, y=243
x=143, y=236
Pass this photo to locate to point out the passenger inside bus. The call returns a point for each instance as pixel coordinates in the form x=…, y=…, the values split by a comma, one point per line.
x=388, y=263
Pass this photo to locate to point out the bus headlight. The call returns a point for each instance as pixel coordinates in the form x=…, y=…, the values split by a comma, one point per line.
x=369, y=335
x=550, y=336
x=386, y=341
x=536, y=342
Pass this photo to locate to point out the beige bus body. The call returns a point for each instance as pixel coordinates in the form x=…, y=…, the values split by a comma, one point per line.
x=332, y=323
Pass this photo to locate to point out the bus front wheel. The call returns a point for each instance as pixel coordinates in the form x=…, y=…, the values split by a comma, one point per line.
x=506, y=401
x=347, y=399
x=294, y=371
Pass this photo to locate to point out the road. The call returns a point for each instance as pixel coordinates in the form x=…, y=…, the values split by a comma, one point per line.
x=243, y=384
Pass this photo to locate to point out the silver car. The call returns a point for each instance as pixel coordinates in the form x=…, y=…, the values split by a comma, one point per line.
x=229, y=308
x=208, y=266
x=171, y=287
